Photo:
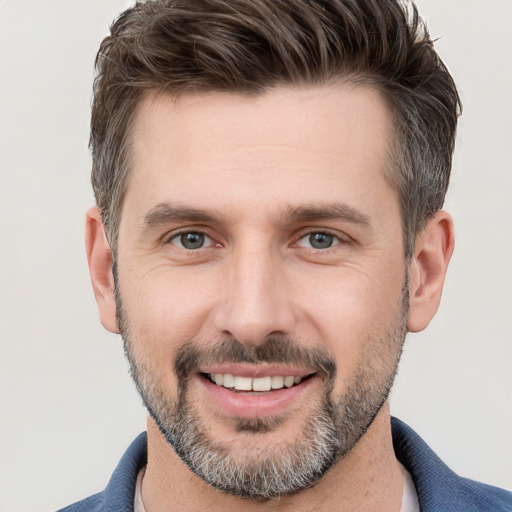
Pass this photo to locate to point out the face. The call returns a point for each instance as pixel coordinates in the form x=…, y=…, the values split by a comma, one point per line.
x=261, y=284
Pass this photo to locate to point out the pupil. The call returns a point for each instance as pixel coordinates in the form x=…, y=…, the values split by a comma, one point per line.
x=192, y=240
x=321, y=240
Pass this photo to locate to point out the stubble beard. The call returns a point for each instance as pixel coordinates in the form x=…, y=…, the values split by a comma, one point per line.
x=329, y=433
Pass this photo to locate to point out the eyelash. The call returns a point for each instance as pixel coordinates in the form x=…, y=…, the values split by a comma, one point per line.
x=337, y=240
x=179, y=234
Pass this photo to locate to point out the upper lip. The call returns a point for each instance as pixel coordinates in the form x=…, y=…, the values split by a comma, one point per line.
x=254, y=371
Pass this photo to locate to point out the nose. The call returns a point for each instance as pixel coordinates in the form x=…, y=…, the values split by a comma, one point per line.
x=254, y=304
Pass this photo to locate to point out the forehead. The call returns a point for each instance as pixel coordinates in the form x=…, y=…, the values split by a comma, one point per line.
x=288, y=146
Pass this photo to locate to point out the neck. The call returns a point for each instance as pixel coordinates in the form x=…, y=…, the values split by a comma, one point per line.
x=368, y=479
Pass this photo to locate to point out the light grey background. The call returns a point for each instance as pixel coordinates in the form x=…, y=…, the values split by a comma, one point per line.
x=67, y=407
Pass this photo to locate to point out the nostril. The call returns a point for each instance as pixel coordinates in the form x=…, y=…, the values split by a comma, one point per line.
x=254, y=329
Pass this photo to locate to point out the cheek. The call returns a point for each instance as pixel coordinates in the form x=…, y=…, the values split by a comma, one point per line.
x=163, y=313
x=349, y=313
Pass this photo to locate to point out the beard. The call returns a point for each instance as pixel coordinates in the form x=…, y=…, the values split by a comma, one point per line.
x=334, y=425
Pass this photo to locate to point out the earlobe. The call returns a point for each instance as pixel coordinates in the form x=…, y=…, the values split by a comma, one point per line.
x=99, y=259
x=433, y=250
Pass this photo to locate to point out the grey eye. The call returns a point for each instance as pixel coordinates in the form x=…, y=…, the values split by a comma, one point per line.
x=191, y=240
x=321, y=240
x=318, y=240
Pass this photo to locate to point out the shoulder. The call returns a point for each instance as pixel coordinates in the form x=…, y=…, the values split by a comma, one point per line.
x=91, y=504
x=119, y=494
x=438, y=487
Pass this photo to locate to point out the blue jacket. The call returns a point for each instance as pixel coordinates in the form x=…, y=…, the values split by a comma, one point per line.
x=439, y=488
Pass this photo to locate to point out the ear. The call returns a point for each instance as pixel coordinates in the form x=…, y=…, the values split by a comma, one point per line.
x=99, y=259
x=432, y=253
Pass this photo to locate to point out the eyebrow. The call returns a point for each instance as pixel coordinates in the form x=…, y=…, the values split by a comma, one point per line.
x=164, y=213
x=333, y=211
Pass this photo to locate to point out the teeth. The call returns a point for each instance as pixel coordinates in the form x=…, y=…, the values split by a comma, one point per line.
x=229, y=381
x=277, y=382
x=243, y=383
x=288, y=382
x=257, y=384
x=262, y=384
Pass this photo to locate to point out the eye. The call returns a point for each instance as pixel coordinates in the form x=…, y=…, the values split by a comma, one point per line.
x=318, y=240
x=191, y=240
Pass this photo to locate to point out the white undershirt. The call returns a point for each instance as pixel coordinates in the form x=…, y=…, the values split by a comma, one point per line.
x=138, y=506
x=409, y=496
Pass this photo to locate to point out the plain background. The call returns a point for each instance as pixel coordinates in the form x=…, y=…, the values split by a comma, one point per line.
x=67, y=407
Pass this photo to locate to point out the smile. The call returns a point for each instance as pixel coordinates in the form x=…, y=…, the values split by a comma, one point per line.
x=247, y=391
x=258, y=384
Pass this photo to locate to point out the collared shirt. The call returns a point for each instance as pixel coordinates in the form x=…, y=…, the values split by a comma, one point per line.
x=437, y=486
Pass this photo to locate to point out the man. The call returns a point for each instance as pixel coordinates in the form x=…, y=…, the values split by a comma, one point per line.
x=269, y=178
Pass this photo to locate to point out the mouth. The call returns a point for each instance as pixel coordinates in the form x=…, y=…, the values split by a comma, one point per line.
x=248, y=393
x=255, y=385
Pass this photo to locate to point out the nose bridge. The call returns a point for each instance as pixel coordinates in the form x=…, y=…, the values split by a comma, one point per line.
x=253, y=304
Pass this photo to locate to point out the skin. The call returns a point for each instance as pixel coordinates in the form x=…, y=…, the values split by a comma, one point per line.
x=245, y=163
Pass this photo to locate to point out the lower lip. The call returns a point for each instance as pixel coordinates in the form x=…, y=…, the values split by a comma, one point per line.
x=245, y=405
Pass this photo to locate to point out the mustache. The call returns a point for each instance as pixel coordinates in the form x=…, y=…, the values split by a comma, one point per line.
x=191, y=356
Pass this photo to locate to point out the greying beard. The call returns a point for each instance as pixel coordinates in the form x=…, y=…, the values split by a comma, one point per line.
x=328, y=434
x=256, y=474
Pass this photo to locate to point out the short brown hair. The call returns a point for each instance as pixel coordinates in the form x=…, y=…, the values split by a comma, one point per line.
x=250, y=46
